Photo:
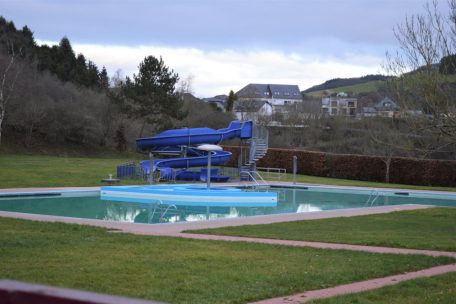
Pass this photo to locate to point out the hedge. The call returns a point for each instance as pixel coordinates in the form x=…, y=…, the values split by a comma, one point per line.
x=410, y=171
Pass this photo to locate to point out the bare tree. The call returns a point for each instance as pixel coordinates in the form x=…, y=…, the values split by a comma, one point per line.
x=186, y=85
x=426, y=96
x=385, y=138
x=9, y=72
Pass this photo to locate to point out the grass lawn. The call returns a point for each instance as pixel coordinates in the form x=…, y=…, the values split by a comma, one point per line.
x=21, y=170
x=53, y=171
x=438, y=289
x=181, y=270
x=421, y=229
x=350, y=183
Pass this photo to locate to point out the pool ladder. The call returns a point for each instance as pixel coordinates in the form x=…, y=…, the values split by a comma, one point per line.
x=372, y=197
x=259, y=184
x=159, y=205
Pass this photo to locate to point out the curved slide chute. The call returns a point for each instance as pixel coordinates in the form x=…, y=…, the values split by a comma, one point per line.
x=178, y=140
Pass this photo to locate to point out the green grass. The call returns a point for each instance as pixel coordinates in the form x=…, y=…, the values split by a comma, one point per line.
x=438, y=289
x=181, y=270
x=21, y=170
x=421, y=229
x=54, y=171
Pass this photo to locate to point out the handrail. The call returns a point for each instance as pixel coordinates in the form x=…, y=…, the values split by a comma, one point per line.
x=158, y=204
x=252, y=150
x=281, y=172
x=249, y=173
x=374, y=196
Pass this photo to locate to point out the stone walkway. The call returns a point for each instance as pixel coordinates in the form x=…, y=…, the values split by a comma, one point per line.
x=177, y=230
x=358, y=286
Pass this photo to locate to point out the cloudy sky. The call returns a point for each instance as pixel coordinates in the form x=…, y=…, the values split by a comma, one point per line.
x=224, y=44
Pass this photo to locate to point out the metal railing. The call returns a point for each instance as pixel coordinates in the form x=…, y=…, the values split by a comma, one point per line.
x=276, y=173
x=162, y=209
x=374, y=195
x=256, y=184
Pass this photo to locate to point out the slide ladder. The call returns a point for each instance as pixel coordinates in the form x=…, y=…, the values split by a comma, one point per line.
x=258, y=147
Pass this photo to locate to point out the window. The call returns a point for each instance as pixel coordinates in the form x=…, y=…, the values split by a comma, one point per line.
x=266, y=93
x=287, y=93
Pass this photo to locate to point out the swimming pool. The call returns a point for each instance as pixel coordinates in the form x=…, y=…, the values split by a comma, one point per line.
x=88, y=204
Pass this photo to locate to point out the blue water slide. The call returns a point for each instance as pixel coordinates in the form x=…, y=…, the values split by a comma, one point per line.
x=171, y=141
x=195, y=136
x=217, y=158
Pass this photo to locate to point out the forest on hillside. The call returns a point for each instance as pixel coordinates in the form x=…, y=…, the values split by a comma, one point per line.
x=50, y=96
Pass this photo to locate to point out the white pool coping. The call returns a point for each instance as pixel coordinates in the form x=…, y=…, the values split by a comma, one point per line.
x=171, y=229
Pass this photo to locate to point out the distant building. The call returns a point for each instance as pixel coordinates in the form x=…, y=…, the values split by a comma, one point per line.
x=277, y=97
x=368, y=112
x=387, y=108
x=252, y=109
x=339, y=105
x=219, y=101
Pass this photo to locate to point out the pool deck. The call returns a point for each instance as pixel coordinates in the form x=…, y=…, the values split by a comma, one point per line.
x=178, y=230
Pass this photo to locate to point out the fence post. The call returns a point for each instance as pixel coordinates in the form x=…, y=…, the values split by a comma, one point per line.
x=151, y=166
x=295, y=168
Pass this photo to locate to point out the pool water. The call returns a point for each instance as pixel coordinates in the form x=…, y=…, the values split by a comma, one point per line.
x=290, y=200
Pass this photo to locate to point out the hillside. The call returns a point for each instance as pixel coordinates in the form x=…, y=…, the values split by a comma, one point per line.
x=366, y=87
x=345, y=82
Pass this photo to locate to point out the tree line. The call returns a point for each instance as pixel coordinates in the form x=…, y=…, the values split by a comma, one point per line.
x=51, y=96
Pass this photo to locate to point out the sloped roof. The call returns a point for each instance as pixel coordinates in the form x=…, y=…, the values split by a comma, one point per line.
x=280, y=91
x=369, y=110
x=254, y=90
x=249, y=106
x=386, y=104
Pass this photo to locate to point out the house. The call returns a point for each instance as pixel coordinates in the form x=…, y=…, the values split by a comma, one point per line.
x=368, y=112
x=274, y=98
x=252, y=109
x=339, y=105
x=219, y=101
x=387, y=108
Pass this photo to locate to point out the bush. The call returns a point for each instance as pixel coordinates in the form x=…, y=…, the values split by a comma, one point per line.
x=410, y=171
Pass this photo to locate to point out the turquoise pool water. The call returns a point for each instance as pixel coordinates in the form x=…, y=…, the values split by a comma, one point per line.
x=290, y=200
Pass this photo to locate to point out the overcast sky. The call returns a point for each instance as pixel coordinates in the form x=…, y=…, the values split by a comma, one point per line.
x=225, y=44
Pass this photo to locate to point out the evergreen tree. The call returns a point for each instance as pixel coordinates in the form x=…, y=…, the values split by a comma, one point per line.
x=66, y=60
x=230, y=101
x=151, y=95
x=79, y=73
x=92, y=75
x=103, y=79
x=448, y=65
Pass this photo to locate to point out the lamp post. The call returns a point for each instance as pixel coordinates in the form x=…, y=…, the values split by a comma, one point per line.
x=209, y=149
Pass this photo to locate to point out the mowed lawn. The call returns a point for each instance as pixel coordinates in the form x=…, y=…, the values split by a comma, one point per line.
x=52, y=171
x=433, y=228
x=19, y=170
x=181, y=270
x=439, y=289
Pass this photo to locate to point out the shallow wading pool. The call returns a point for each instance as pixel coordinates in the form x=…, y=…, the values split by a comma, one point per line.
x=87, y=204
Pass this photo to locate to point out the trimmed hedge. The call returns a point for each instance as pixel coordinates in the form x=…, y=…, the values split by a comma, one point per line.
x=410, y=171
